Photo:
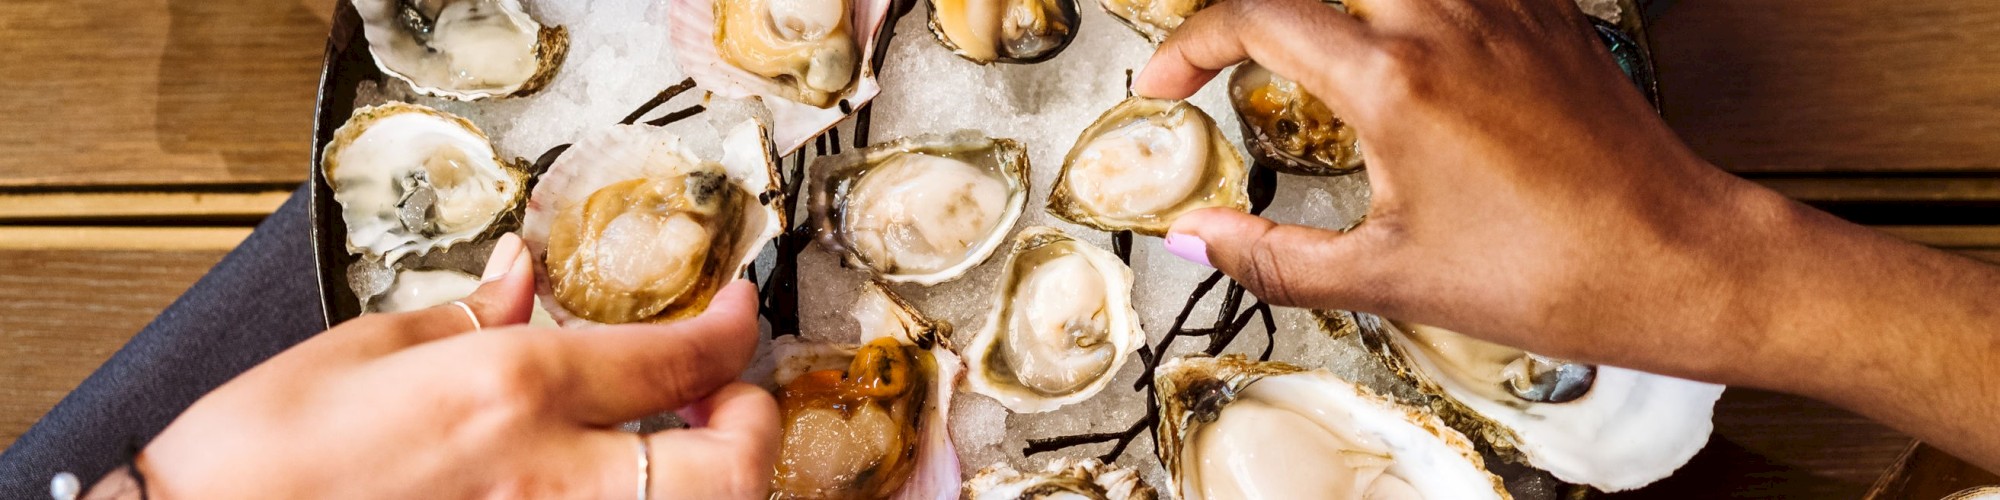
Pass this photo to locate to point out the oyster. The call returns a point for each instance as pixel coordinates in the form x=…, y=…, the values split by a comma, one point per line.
x=810, y=62
x=1289, y=130
x=411, y=179
x=1153, y=19
x=462, y=49
x=868, y=421
x=1143, y=164
x=1231, y=428
x=628, y=226
x=1009, y=31
x=418, y=289
x=922, y=209
x=1062, y=324
x=1064, y=478
x=1617, y=430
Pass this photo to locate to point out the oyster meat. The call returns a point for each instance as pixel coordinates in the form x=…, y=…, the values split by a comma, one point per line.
x=1143, y=164
x=1062, y=324
x=1153, y=19
x=1231, y=428
x=628, y=226
x=411, y=179
x=1608, y=427
x=1065, y=478
x=868, y=421
x=462, y=49
x=809, y=62
x=922, y=209
x=418, y=289
x=1289, y=130
x=1009, y=31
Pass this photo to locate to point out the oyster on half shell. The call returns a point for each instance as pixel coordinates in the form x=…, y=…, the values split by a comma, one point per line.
x=868, y=420
x=811, y=62
x=1231, y=428
x=1289, y=130
x=1625, y=430
x=411, y=179
x=920, y=209
x=1143, y=164
x=628, y=226
x=1064, y=478
x=1009, y=31
x=1153, y=19
x=1062, y=324
x=462, y=49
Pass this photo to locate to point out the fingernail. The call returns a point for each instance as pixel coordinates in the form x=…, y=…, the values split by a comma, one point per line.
x=1187, y=246
x=502, y=262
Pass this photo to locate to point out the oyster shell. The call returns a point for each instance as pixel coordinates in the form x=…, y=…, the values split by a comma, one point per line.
x=810, y=62
x=411, y=179
x=1064, y=478
x=418, y=289
x=1062, y=324
x=1153, y=19
x=1289, y=130
x=1143, y=164
x=628, y=226
x=462, y=49
x=1232, y=428
x=921, y=209
x=868, y=421
x=1008, y=31
x=1628, y=430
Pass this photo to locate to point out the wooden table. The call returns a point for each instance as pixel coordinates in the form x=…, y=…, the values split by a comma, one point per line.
x=145, y=136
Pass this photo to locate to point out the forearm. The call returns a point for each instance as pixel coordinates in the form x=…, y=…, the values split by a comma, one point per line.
x=1906, y=335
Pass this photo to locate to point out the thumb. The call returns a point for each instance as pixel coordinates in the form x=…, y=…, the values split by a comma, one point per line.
x=1284, y=265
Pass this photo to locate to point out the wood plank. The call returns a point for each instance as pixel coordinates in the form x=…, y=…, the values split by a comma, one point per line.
x=1949, y=237
x=100, y=238
x=64, y=312
x=139, y=205
x=1834, y=85
x=158, y=92
x=1922, y=189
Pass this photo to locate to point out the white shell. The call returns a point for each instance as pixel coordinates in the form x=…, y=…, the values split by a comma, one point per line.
x=884, y=208
x=1278, y=431
x=382, y=147
x=1064, y=478
x=1632, y=428
x=627, y=152
x=693, y=25
x=476, y=49
x=1062, y=371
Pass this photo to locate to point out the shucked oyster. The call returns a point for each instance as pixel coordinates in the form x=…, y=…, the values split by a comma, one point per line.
x=462, y=49
x=868, y=421
x=922, y=209
x=1143, y=164
x=1009, y=31
x=1289, y=130
x=627, y=226
x=1231, y=428
x=1616, y=430
x=810, y=62
x=1153, y=19
x=1065, y=478
x=411, y=179
x=1062, y=324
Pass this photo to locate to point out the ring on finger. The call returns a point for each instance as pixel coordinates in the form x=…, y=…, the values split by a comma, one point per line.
x=469, y=314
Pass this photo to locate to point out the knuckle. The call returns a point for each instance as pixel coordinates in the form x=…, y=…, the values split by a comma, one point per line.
x=1266, y=277
x=1401, y=69
x=511, y=369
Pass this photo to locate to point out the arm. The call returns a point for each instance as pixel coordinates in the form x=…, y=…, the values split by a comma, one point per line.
x=1526, y=194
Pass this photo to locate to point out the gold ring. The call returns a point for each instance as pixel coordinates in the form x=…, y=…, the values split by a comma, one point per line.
x=468, y=314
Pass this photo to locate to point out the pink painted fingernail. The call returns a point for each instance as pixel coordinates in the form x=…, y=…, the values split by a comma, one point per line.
x=501, y=262
x=1189, y=247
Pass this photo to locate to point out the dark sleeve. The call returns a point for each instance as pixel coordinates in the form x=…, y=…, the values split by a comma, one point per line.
x=261, y=299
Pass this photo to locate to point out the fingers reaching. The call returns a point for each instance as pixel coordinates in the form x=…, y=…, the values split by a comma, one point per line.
x=506, y=296
x=729, y=455
x=1280, y=264
x=1304, y=40
x=630, y=371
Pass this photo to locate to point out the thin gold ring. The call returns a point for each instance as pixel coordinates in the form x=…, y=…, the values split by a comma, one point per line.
x=469, y=315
